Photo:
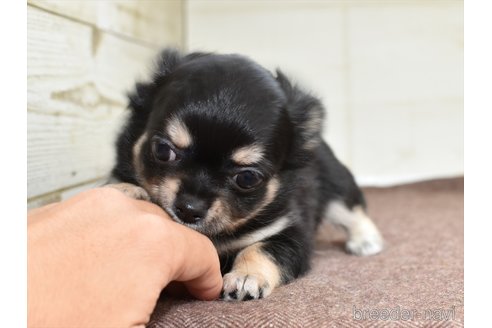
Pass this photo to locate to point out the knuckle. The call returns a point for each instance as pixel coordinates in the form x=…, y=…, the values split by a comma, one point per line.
x=103, y=194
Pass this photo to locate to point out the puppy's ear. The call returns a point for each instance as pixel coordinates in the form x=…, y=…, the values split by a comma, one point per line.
x=140, y=104
x=166, y=62
x=306, y=114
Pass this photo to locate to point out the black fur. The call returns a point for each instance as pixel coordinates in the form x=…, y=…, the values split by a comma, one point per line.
x=228, y=101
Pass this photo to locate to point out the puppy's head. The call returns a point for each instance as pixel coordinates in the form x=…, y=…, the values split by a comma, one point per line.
x=212, y=135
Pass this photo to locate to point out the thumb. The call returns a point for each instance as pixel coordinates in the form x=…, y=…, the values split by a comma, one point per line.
x=207, y=286
x=200, y=271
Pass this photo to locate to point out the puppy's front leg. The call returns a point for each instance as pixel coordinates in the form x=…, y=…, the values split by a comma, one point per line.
x=131, y=190
x=254, y=275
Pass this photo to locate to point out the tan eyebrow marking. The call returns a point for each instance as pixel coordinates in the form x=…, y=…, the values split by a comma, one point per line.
x=179, y=133
x=248, y=155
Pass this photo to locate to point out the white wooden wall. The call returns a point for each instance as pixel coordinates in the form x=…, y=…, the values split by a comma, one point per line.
x=83, y=56
x=389, y=71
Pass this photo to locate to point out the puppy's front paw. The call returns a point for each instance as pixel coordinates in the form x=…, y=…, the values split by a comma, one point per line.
x=244, y=287
x=131, y=190
x=365, y=240
x=368, y=245
x=364, y=237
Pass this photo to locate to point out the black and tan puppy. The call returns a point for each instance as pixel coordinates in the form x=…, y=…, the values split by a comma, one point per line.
x=234, y=152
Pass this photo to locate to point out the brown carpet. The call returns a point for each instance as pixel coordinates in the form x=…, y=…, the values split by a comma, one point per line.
x=416, y=282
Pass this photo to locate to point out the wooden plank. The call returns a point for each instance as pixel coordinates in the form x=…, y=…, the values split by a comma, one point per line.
x=76, y=99
x=43, y=200
x=63, y=194
x=69, y=193
x=156, y=22
x=67, y=150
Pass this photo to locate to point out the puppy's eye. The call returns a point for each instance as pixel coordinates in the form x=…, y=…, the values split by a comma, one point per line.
x=247, y=179
x=163, y=151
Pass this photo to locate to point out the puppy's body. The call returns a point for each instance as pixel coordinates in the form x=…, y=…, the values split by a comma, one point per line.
x=235, y=153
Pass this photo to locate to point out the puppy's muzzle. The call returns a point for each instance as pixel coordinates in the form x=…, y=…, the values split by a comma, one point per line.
x=190, y=209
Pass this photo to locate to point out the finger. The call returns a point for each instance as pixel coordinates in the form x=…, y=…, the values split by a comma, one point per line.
x=200, y=271
x=40, y=213
x=146, y=206
x=151, y=208
x=207, y=286
x=200, y=268
x=39, y=210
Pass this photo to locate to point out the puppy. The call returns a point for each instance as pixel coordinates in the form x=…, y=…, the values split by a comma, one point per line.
x=236, y=153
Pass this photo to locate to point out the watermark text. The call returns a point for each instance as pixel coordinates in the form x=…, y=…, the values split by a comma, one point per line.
x=403, y=314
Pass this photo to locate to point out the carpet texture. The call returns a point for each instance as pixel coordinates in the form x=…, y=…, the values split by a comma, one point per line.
x=416, y=282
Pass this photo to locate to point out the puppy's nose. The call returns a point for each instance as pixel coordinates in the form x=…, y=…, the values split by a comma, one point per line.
x=190, y=209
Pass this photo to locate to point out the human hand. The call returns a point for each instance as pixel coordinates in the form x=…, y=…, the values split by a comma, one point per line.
x=102, y=259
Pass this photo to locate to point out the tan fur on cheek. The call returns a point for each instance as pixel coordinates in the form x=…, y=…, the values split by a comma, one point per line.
x=272, y=189
x=167, y=190
x=218, y=218
x=219, y=215
x=137, y=162
x=218, y=211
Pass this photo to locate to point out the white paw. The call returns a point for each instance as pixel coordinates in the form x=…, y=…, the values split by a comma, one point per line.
x=364, y=245
x=131, y=190
x=244, y=287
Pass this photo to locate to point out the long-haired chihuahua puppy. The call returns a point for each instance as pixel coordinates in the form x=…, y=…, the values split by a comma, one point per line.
x=229, y=149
